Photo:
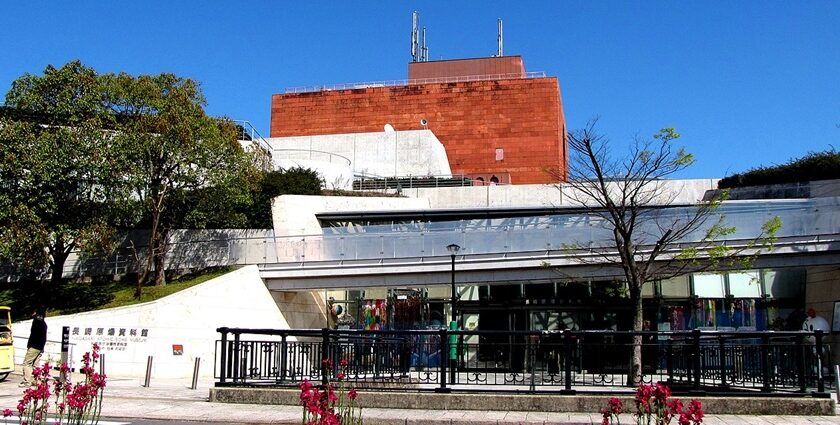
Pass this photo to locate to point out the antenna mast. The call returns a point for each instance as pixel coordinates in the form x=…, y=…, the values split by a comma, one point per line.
x=500, y=39
x=415, y=51
x=424, y=51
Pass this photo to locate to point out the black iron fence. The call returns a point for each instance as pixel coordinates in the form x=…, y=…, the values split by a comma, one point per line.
x=530, y=361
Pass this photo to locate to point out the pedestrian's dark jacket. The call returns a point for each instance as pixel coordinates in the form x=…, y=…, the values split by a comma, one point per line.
x=38, y=334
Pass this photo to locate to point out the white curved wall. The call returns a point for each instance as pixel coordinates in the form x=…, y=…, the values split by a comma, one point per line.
x=188, y=318
x=399, y=153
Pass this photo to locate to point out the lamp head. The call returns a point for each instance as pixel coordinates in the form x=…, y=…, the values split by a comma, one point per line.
x=453, y=248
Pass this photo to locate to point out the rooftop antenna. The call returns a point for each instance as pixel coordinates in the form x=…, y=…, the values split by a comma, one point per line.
x=500, y=39
x=424, y=51
x=415, y=51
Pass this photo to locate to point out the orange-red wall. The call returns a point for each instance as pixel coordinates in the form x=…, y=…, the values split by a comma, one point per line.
x=472, y=119
x=509, y=66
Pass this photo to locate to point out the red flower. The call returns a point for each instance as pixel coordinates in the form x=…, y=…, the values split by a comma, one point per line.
x=352, y=394
x=7, y=413
x=615, y=406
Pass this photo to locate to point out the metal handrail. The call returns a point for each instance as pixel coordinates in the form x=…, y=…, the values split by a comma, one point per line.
x=252, y=134
x=330, y=155
x=416, y=81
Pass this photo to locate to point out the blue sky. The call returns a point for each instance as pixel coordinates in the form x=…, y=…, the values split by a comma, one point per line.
x=746, y=83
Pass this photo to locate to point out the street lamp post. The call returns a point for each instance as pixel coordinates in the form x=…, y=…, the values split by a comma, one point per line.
x=453, y=251
x=453, y=324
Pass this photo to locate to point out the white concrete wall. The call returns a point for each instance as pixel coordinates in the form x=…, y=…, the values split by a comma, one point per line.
x=533, y=195
x=189, y=318
x=400, y=153
x=333, y=176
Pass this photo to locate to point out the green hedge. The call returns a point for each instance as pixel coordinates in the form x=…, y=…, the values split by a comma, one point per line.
x=814, y=166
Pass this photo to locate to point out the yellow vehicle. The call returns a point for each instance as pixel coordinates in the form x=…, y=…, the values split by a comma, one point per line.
x=7, y=349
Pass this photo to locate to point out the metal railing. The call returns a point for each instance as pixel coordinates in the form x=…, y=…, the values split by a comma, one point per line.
x=249, y=132
x=410, y=182
x=416, y=81
x=525, y=361
x=310, y=155
x=811, y=221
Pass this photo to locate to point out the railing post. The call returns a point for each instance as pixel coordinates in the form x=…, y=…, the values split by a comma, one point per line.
x=533, y=340
x=443, y=356
x=800, y=363
x=325, y=344
x=237, y=361
x=820, y=382
x=722, y=359
x=765, y=364
x=669, y=356
x=567, y=367
x=283, y=357
x=696, y=359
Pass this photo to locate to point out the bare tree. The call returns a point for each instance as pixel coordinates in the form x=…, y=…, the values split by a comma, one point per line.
x=630, y=197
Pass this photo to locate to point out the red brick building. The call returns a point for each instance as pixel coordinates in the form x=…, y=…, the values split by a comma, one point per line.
x=492, y=117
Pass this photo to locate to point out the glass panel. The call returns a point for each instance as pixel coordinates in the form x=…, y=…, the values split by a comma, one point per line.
x=744, y=285
x=744, y=314
x=675, y=319
x=708, y=285
x=545, y=321
x=710, y=314
x=648, y=290
x=676, y=287
x=784, y=283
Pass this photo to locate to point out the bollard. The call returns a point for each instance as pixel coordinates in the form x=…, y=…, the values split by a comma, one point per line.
x=65, y=350
x=195, y=373
x=148, y=371
x=837, y=380
x=102, y=364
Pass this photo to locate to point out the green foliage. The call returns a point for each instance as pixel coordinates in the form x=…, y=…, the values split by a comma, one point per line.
x=823, y=165
x=57, y=169
x=175, y=157
x=292, y=181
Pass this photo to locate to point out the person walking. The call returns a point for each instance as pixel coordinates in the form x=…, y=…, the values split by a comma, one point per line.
x=35, y=346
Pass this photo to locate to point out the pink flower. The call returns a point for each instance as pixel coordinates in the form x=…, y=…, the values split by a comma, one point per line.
x=352, y=394
x=7, y=413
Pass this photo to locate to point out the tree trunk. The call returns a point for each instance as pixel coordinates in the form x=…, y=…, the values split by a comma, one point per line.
x=635, y=377
x=160, y=258
x=59, y=254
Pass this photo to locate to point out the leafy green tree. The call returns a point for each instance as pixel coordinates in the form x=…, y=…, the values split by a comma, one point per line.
x=56, y=168
x=169, y=148
x=644, y=242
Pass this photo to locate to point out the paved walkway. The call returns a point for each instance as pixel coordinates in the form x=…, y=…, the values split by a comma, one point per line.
x=173, y=400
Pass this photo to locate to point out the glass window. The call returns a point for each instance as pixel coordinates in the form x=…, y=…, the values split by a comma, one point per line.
x=708, y=285
x=676, y=287
x=648, y=290
x=783, y=283
x=744, y=284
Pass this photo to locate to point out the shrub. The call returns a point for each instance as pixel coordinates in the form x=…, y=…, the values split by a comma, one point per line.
x=74, y=403
x=330, y=405
x=814, y=166
x=654, y=406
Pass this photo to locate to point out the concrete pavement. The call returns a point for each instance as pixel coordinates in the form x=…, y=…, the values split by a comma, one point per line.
x=173, y=400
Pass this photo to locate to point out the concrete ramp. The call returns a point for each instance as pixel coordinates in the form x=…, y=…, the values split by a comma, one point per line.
x=175, y=330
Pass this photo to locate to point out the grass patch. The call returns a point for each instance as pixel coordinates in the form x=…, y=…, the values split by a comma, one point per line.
x=123, y=294
x=76, y=297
